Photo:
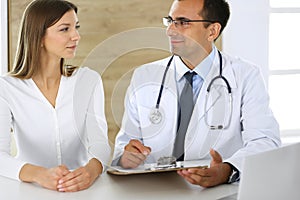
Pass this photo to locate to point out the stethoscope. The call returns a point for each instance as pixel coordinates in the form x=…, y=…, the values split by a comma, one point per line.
x=156, y=115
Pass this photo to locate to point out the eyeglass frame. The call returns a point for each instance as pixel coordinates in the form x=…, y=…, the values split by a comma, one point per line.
x=167, y=21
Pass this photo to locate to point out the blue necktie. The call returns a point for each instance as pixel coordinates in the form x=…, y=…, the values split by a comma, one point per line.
x=186, y=106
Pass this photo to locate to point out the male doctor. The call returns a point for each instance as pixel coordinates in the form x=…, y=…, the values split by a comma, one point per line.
x=187, y=124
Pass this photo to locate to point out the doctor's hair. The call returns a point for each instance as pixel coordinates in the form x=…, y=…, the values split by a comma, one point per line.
x=37, y=17
x=215, y=10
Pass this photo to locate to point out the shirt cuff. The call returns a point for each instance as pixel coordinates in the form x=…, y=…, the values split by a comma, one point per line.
x=235, y=174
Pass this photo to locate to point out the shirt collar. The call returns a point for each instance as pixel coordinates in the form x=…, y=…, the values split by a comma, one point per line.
x=202, y=69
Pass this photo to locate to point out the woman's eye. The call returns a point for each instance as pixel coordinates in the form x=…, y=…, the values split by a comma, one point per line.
x=77, y=26
x=64, y=29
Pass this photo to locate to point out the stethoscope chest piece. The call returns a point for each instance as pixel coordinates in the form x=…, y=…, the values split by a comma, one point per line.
x=156, y=116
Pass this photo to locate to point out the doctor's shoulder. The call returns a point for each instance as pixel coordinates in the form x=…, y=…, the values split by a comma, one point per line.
x=152, y=70
x=241, y=67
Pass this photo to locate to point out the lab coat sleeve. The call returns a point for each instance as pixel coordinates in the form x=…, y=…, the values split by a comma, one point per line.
x=259, y=128
x=9, y=166
x=96, y=127
x=130, y=128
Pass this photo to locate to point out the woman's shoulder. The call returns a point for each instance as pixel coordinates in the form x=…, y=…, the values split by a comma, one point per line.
x=10, y=84
x=86, y=80
x=86, y=76
x=7, y=79
x=86, y=71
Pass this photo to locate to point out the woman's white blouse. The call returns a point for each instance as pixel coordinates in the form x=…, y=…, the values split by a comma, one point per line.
x=72, y=133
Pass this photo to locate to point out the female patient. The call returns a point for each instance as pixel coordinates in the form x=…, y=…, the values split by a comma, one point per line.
x=55, y=111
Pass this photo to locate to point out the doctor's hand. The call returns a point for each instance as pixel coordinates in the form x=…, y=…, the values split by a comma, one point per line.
x=218, y=172
x=81, y=178
x=134, y=154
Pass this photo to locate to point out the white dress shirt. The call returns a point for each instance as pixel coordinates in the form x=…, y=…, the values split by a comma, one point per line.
x=202, y=70
x=71, y=133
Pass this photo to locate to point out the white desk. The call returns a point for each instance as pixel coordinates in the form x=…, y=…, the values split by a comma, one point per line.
x=158, y=186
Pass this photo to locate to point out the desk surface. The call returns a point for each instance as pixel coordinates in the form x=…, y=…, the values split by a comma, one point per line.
x=144, y=186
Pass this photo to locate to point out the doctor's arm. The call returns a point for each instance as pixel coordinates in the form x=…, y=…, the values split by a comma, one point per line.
x=259, y=132
x=129, y=151
x=259, y=128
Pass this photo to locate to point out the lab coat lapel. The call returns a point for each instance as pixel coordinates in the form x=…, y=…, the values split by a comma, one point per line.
x=198, y=113
x=198, y=130
x=170, y=85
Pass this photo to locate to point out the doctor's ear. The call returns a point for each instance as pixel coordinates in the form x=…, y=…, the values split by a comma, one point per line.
x=214, y=31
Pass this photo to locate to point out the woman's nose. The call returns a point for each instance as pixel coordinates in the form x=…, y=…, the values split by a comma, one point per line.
x=75, y=36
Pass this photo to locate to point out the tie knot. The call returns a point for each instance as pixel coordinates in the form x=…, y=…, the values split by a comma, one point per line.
x=189, y=77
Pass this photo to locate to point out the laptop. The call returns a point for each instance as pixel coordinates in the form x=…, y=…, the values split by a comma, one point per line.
x=273, y=175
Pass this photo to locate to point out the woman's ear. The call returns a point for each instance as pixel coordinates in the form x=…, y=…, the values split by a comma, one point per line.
x=214, y=31
x=42, y=42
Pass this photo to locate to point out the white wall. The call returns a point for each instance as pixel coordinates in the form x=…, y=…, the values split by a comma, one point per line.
x=3, y=37
x=246, y=34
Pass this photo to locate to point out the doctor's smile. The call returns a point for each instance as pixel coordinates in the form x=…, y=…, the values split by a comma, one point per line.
x=176, y=41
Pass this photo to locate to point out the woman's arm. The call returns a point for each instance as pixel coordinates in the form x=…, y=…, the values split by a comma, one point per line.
x=81, y=178
x=95, y=132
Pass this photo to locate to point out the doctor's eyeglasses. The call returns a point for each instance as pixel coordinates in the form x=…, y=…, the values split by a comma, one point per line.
x=182, y=23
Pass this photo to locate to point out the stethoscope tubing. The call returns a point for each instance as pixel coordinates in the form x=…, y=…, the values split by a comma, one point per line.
x=163, y=82
x=220, y=76
x=209, y=85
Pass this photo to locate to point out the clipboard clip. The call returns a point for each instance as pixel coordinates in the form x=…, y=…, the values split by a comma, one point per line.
x=165, y=162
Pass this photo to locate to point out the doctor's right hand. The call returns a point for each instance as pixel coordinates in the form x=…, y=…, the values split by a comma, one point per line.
x=135, y=153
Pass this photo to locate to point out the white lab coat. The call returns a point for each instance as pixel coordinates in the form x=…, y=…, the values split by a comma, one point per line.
x=253, y=127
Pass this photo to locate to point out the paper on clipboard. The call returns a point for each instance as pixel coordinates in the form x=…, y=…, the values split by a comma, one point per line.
x=154, y=168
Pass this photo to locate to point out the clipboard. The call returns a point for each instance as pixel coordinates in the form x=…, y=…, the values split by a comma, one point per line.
x=155, y=168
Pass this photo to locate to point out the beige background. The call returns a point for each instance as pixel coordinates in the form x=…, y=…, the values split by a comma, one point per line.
x=116, y=36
